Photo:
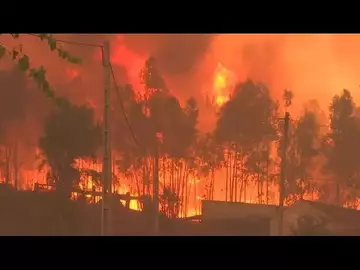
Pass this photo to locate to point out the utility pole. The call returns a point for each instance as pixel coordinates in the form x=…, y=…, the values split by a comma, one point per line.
x=283, y=172
x=107, y=175
x=156, y=189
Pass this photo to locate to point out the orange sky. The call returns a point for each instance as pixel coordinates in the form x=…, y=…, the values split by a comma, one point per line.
x=313, y=66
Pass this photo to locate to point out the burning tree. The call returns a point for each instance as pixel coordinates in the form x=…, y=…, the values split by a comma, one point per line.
x=210, y=159
x=302, y=151
x=18, y=109
x=69, y=133
x=178, y=132
x=341, y=147
x=244, y=121
x=154, y=112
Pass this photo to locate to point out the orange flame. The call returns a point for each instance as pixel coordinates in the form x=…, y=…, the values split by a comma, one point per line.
x=223, y=84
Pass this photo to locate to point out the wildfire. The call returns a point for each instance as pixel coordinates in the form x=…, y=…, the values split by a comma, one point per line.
x=223, y=81
x=223, y=84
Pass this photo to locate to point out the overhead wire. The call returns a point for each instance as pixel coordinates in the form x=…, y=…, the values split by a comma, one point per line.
x=73, y=42
x=118, y=94
x=121, y=101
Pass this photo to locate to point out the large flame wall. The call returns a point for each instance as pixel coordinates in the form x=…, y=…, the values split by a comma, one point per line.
x=203, y=66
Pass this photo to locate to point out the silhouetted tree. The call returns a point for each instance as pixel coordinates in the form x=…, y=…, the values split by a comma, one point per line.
x=303, y=144
x=19, y=106
x=244, y=121
x=152, y=112
x=342, y=145
x=210, y=158
x=69, y=133
x=169, y=203
x=22, y=60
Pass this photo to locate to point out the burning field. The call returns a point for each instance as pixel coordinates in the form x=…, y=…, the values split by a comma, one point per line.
x=209, y=107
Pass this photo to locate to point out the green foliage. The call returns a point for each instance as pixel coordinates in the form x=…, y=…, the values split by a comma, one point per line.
x=248, y=117
x=69, y=133
x=38, y=74
x=147, y=118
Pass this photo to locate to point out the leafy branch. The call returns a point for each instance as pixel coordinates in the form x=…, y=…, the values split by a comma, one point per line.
x=39, y=74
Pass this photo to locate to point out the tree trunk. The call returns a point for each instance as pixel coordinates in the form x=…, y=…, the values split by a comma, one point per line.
x=227, y=178
x=267, y=178
x=338, y=194
x=8, y=154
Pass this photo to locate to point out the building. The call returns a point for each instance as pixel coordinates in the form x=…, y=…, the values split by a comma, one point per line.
x=301, y=218
x=236, y=210
x=235, y=218
x=325, y=219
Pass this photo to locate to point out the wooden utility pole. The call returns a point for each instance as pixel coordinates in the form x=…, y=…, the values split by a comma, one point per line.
x=106, y=185
x=156, y=189
x=283, y=172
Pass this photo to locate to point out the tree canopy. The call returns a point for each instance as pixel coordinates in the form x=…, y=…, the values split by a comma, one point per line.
x=69, y=133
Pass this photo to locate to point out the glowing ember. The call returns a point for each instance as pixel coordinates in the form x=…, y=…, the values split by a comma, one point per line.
x=72, y=73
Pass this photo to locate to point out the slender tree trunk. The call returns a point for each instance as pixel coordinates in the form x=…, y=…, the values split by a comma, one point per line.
x=267, y=178
x=241, y=187
x=236, y=174
x=258, y=187
x=230, y=175
x=8, y=154
x=172, y=175
x=179, y=180
x=188, y=192
x=245, y=188
x=164, y=170
x=213, y=183
x=143, y=181
x=227, y=178
x=16, y=167
x=338, y=194
x=184, y=184
x=233, y=178
x=149, y=173
x=195, y=197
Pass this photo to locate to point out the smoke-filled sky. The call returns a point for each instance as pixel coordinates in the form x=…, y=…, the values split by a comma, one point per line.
x=312, y=66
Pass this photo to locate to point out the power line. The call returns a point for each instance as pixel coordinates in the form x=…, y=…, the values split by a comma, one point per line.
x=73, y=42
x=113, y=76
x=118, y=94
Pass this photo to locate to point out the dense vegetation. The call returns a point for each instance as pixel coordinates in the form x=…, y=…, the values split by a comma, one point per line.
x=322, y=158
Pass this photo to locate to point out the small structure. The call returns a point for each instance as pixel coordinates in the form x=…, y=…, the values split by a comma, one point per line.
x=235, y=218
x=236, y=210
x=332, y=219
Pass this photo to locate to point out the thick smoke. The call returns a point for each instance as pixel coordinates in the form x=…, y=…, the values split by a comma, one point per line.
x=23, y=109
x=312, y=66
x=176, y=54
